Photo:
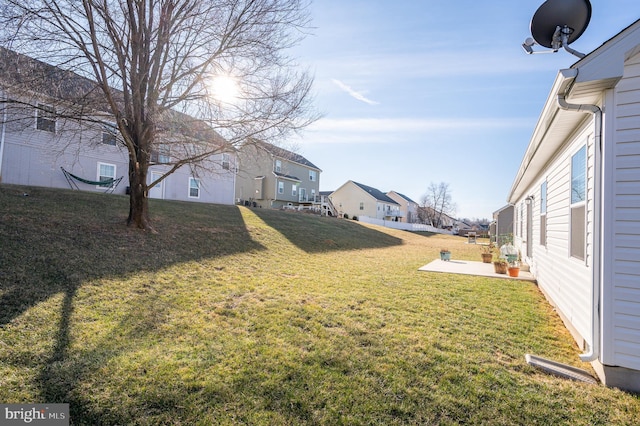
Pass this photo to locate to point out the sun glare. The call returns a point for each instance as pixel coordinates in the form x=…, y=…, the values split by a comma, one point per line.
x=225, y=88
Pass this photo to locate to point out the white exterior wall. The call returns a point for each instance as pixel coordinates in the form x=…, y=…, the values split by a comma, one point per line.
x=564, y=279
x=621, y=267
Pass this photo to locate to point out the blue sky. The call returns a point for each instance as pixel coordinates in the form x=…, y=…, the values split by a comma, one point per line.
x=414, y=92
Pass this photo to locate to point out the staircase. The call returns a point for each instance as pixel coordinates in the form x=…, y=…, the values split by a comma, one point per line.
x=328, y=209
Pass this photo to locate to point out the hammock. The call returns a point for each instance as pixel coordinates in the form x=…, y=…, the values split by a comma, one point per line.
x=111, y=184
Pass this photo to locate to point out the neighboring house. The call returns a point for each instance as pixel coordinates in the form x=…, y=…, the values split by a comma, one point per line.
x=432, y=217
x=502, y=226
x=355, y=199
x=36, y=141
x=408, y=207
x=273, y=177
x=577, y=205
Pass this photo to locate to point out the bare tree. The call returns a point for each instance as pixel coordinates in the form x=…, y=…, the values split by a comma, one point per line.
x=152, y=63
x=436, y=203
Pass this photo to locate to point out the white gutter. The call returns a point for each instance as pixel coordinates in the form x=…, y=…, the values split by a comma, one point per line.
x=594, y=349
x=4, y=124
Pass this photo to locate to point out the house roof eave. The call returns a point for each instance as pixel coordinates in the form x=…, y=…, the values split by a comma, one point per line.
x=583, y=83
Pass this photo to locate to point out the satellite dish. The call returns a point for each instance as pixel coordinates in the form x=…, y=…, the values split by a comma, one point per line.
x=572, y=16
x=558, y=23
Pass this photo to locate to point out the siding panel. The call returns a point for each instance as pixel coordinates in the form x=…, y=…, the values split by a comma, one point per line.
x=621, y=298
x=564, y=279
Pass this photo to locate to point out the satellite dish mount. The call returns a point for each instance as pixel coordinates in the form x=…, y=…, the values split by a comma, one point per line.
x=558, y=23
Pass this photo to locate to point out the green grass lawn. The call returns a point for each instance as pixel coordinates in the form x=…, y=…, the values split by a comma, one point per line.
x=230, y=315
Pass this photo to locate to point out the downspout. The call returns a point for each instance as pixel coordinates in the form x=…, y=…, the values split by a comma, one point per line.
x=2, y=132
x=594, y=349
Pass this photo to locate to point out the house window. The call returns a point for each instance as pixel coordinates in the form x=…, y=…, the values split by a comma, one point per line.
x=106, y=172
x=312, y=175
x=278, y=166
x=294, y=190
x=225, y=161
x=46, y=118
x=578, y=203
x=361, y=206
x=109, y=134
x=161, y=154
x=313, y=194
x=543, y=214
x=280, y=187
x=194, y=188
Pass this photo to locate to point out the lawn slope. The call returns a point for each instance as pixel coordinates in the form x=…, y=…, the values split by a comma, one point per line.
x=230, y=315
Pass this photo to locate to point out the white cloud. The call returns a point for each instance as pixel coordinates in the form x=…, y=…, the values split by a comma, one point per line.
x=375, y=125
x=354, y=94
x=394, y=130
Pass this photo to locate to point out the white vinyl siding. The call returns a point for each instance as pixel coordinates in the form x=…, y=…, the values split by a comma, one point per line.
x=543, y=214
x=565, y=280
x=621, y=298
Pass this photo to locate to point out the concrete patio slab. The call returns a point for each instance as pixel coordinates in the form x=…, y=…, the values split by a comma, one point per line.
x=467, y=267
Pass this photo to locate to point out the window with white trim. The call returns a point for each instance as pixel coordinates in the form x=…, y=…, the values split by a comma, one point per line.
x=361, y=205
x=194, y=187
x=278, y=166
x=294, y=189
x=106, y=172
x=225, y=161
x=161, y=154
x=46, y=118
x=312, y=175
x=280, y=187
x=109, y=134
x=543, y=214
x=577, y=246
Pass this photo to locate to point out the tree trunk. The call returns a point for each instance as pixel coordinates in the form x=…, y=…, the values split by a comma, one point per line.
x=138, y=200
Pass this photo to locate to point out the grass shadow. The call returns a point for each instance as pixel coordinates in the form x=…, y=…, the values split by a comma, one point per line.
x=315, y=234
x=54, y=240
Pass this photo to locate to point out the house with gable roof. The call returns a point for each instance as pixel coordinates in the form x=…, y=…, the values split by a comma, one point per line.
x=44, y=128
x=273, y=177
x=355, y=199
x=576, y=199
x=408, y=207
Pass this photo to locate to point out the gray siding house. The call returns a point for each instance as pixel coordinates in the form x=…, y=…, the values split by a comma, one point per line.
x=273, y=177
x=40, y=132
